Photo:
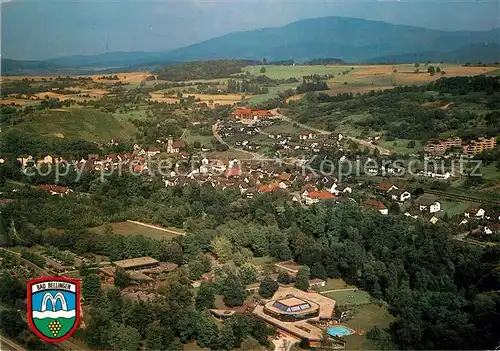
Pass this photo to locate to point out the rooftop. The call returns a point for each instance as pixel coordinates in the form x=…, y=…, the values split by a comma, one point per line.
x=135, y=262
x=426, y=200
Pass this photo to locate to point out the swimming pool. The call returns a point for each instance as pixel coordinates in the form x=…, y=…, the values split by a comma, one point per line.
x=339, y=330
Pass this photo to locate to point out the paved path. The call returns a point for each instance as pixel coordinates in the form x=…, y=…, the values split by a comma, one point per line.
x=157, y=227
x=335, y=290
x=383, y=151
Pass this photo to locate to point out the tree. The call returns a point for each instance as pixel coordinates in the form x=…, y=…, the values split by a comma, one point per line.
x=122, y=278
x=205, y=297
x=284, y=278
x=154, y=337
x=411, y=144
x=226, y=340
x=208, y=332
x=233, y=291
x=417, y=65
x=124, y=338
x=247, y=274
x=223, y=248
x=263, y=70
x=250, y=344
x=91, y=287
x=267, y=287
x=173, y=253
x=11, y=323
x=431, y=70
x=318, y=271
x=302, y=279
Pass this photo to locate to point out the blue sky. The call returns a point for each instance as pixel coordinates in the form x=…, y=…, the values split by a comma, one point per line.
x=40, y=29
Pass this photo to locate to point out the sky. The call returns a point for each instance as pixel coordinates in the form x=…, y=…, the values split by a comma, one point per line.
x=41, y=29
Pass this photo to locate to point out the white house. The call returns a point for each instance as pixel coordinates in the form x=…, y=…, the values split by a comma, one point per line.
x=473, y=211
x=428, y=203
x=400, y=195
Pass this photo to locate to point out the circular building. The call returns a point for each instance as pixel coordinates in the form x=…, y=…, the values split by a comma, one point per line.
x=291, y=309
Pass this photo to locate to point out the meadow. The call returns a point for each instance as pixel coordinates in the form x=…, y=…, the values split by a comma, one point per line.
x=361, y=78
x=77, y=123
x=298, y=71
x=129, y=228
x=364, y=318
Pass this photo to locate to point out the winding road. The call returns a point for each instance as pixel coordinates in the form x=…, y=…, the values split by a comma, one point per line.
x=383, y=151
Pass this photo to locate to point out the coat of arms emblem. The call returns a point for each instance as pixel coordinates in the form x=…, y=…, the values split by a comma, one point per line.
x=53, y=307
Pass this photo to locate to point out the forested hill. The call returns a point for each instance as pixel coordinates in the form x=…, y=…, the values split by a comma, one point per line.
x=203, y=69
x=410, y=112
x=443, y=293
x=349, y=39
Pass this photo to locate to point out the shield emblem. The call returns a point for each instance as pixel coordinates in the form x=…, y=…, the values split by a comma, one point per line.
x=53, y=307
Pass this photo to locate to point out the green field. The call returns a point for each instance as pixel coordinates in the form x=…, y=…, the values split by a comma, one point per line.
x=283, y=72
x=453, y=208
x=401, y=146
x=349, y=297
x=365, y=318
x=87, y=124
x=272, y=93
x=190, y=137
x=128, y=228
x=282, y=127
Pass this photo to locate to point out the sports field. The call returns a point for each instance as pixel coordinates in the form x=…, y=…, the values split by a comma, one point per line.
x=349, y=297
x=128, y=229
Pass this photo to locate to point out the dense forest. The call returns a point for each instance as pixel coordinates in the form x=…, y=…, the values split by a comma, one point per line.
x=444, y=293
x=203, y=70
x=411, y=112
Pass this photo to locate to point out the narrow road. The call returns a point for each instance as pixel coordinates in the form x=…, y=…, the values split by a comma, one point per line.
x=9, y=345
x=383, y=151
x=157, y=227
x=215, y=128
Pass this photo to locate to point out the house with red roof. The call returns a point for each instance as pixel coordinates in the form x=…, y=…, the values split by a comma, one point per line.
x=377, y=205
x=55, y=189
x=249, y=114
x=315, y=196
x=266, y=188
x=175, y=146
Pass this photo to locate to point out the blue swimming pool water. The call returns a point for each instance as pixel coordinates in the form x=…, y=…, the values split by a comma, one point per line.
x=339, y=330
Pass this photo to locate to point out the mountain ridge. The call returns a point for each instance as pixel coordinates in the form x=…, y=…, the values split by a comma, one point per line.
x=349, y=39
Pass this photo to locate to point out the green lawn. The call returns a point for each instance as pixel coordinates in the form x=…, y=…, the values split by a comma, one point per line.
x=452, y=208
x=190, y=137
x=282, y=127
x=260, y=261
x=127, y=229
x=87, y=124
x=365, y=318
x=401, y=146
x=283, y=72
x=490, y=172
x=349, y=297
x=334, y=284
x=272, y=93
